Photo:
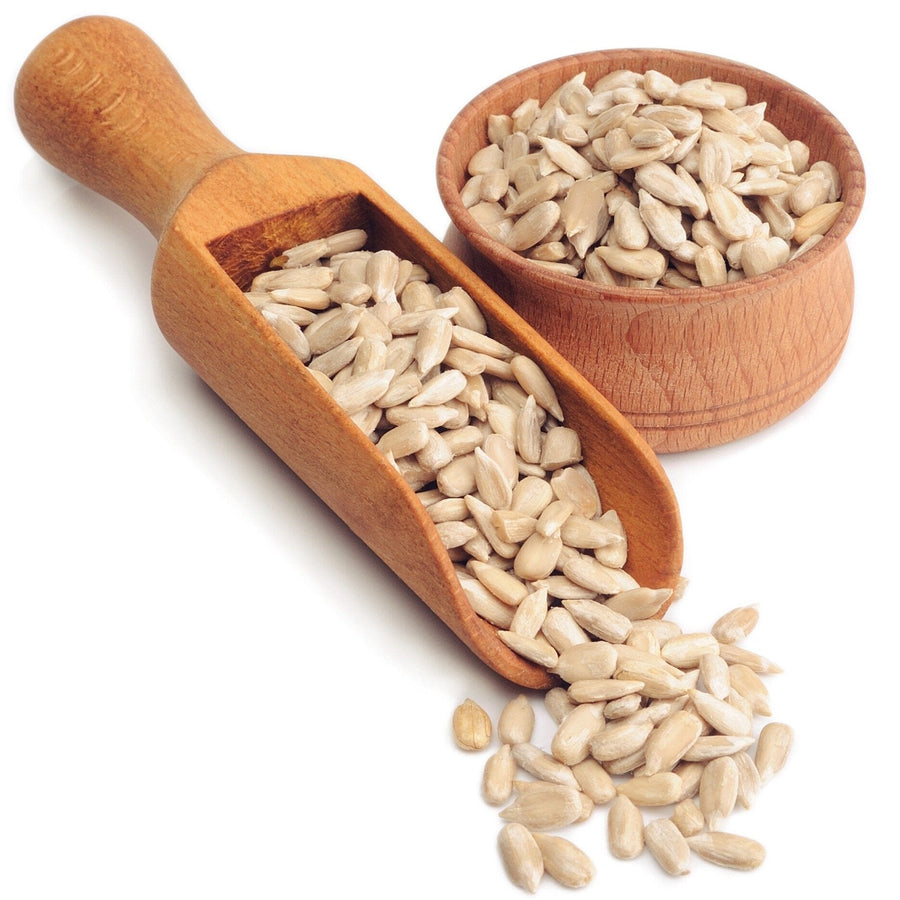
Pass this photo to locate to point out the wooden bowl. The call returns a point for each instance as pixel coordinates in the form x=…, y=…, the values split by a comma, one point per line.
x=690, y=368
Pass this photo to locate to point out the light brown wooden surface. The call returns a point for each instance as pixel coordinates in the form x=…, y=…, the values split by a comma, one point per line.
x=100, y=101
x=689, y=368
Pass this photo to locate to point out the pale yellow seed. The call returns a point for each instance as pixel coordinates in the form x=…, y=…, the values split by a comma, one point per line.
x=455, y=534
x=544, y=189
x=592, y=615
x=584, y=213
x=712, y=746
x=594, y=781
x=625, y=829
x=640, y=603
x=690, y=773
x=561, y=448
x=562, y=630
x=685, y=650
x=668, y=846
x=729, y=213
x=471, y=726
x=736, y=624
x=558, y=703
x=661, y=789
x=720, y=714
x=405, y=439
x=533, y=381
x=620, y=739
x=718, y=791
x=292, y=334
x=662, y=221
x=341, y=242
x=509, y=585
x=332, y=328
x=537, y=557
x=432, y=342
x=497, y=779
x=772, y=749
x=729, y=850
x=303, y=277
x=644, y=639
x=566, y=157
x=590, y=660
x=749, y=781
x=714, y=675
x=588, y=533
x=645, y=263
x=562, y=588
x=749, y=685
x=491, y=481
x=533, y=226
x=817, y=221
x=516, y=722
x=531, y=496
x=595, y=690
x=660, y=682
x=521, y=856
x=504, y=585
x=570, y=743
x=486, y=604
x=530, y=614
x=442, y=388
x=543, y=765
x=761, y=255
x=688, y=818
x=535, y=649
x=360, y=391
x=623, y=707
x=670, y=740
x=545, y=807
x=564, y=861
x=528, y=431
x=733, y=653
x=305, y=297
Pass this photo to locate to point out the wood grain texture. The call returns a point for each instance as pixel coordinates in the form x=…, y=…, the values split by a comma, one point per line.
x=689, y=368
x=100, y=101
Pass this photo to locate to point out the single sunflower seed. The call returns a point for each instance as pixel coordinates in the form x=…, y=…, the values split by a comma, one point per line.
x=545, y=807
x=471, y=726
x=730, y=850
x=668, y=846
x=521, y=856
x=564, y=861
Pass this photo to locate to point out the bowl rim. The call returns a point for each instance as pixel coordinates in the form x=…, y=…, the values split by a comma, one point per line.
x=513, y=264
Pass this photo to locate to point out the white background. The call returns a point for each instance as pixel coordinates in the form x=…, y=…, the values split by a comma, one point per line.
x=208, y=688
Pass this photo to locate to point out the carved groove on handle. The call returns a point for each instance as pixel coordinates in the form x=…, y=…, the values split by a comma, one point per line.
x=100, y=101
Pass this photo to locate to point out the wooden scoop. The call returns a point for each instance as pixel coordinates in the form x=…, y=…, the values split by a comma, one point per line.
x=99, y=101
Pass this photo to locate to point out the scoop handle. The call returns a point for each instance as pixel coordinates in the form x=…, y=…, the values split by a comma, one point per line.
x=101, y=102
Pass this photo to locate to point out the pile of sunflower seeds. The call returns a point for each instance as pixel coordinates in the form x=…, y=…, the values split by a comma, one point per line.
x=659, y=728
x=647, y=716
x=473, y=427
x=640, y=181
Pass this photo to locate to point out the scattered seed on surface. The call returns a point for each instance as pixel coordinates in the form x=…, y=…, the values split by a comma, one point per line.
x=471, y=726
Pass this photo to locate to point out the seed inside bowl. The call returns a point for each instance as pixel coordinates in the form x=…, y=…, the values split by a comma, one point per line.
x=640, y=181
